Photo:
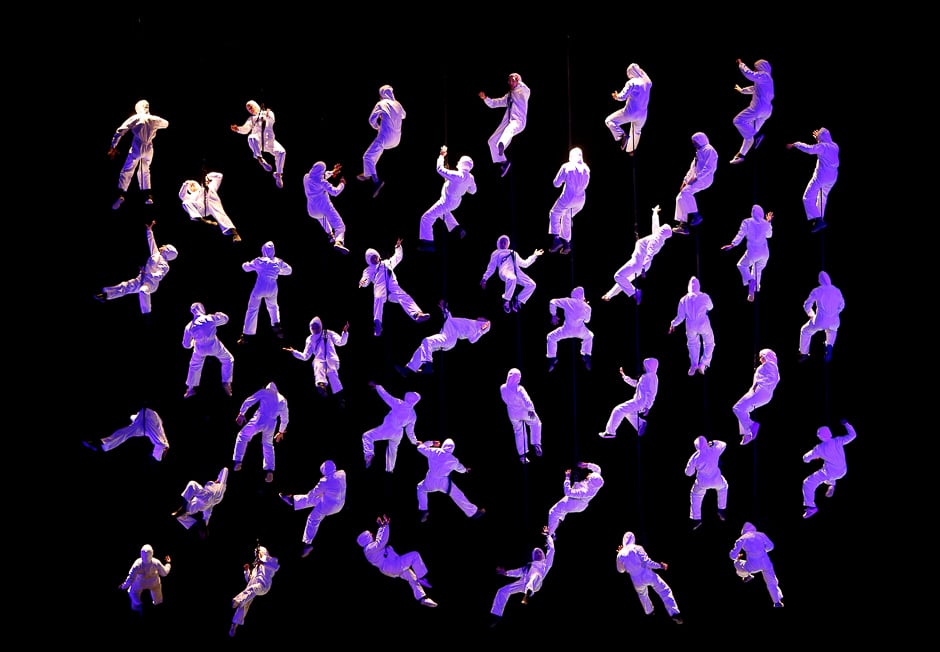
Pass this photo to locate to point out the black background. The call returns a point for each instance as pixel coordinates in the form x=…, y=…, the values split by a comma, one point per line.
x=319, y=73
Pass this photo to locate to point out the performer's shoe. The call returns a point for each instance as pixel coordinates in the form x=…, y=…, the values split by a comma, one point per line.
x=478, y=514
x=227, y=388
x=606, y=435
x=278, y=180
x=809, y=511
x=422, y=317
x=307, y=550
x=818, y=224
x=117, y=203
x=695, y=219
x=264, y=164
x=738, y=158
x=830, y=490
x=149, y=200
x=538, y=450
x=287, y=499
x=91, y=445
x=190, y=391
x=376, y=188
x=504, y=168
x=681, y=228
x=427, y=602
x=101, y=296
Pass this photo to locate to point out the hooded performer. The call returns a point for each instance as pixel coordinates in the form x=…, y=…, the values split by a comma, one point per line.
x=693, y=309
x=529, y=577
x=749, y=121
x=636, y=97
x=199, y=500
x=267, y=268
x=831, y=450
x=756, y=230
x=408, y=566
x=824, y=178
x=526, y=424
x=453, y=330
x=763, y=384
x=148, y=280
x=457, y=183
x=386, y=118
x=647, y=386
x=704, y=464
x=441, y=463
x=326, y=498
x=573, y=178
x=321, y=345
x=750, y=556
x=577, y=313
x=633, y=560
x=259, y=575
x=822, y=306
x=271, y=419
x=399, y=421
x=202, y=337
x=700, y=175
x=509, y=266
x=260, y=130
x=144, y=127
x=513, y=122
x=145, y=575
x=319, y=191
x=201, y=202
x=644, y=250
x=380, y=274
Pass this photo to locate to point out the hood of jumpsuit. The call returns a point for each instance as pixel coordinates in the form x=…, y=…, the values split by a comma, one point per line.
x=370, y=254
x=197, y=309
x=267, y=249
x=412, y=398
x=146, y=553
x=694, y=285
x=578, y=293
x=824, y=279
x=701, y=443
x=650, y=365
x=513, y=377
x=824, y=136
x=628, y=538
x=143, y=106
x=318, y=169
x=748, y=527
x=169, y=252
x=824, y=433
x=253, y=104
x=271, y=386
x=448, y=445
x=465, y=164
x=576, y=155
x=517, y=77
x=364, y=539
x=538, y=554
x=757, y=212
x=387, y=92
x=762, y=65
x=328, y=467
x=769, y=355
x=316, y=325
x=634, y=71
x=699, y=139
x=502, y=242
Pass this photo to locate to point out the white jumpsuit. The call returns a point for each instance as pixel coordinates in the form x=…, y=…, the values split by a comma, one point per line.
x=399, y=421
x=526, y=424
x=272, y=407
x=267, y=268
x=635, y=95
x=441, y=463
x=633, y=560
x=193, y=196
